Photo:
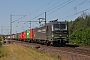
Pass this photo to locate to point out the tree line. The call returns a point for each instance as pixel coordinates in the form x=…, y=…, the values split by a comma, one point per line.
x=79, y=30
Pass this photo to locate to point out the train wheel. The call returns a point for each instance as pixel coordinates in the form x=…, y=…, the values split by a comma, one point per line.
x=48, y=44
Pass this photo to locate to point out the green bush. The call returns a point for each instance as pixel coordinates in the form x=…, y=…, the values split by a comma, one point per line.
x=1, y=54
x=0, y=39
x=81, y=36
x=0, y=42
x=3, y=51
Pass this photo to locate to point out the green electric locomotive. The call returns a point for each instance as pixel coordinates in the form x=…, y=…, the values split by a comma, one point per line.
x=53, y=33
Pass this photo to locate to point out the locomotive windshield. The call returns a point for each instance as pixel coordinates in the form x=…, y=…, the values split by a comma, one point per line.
x=59, y=26
x=62, y=26
x=56, y=27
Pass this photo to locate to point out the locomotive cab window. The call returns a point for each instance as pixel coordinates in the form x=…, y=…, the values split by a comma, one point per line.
x=62, y=26
x=59, y=27
x=56, y=27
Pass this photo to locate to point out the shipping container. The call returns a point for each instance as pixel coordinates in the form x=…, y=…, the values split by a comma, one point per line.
x=27, y=33
x=16, y=35
x=12, y=36
x=31, y=33
x=20, y=35
x=24, y=34
x=8, y=37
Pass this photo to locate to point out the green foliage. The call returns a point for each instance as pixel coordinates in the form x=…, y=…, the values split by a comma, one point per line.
x=59, y=57
x=3, y=51
x=0, y=42
x=1, y=54
x=79, y=30
x=81, y=36
x=0, y=39
x=80, y=22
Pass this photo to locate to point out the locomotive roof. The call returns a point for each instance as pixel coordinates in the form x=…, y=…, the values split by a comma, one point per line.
x=52, y=22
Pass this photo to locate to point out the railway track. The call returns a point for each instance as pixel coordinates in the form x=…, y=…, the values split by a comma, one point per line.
x=76, y=53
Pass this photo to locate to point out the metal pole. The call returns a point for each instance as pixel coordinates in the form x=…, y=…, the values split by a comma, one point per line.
x=10, y=26
x=30, y=24
x=45, y=18
x=46, y=27
x=1, y=31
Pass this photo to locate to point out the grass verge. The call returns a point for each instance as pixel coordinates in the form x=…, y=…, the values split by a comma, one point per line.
x=3, y=51
x=19, y=52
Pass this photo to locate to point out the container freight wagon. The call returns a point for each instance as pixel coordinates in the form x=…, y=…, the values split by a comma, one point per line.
x=20, y=35
x=31, y=34
x=17, y=36
x=53, y=33
x=26, y=35
x=14, y=36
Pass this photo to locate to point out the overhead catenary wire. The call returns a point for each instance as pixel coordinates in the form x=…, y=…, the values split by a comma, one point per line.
x=19, y=18
x=30, y=13
x=38, y=9
x=77, y=13
x=58, y=5
x=52, y=9
x=81, y=3
x=29, y=23
x=53, y=5
x=37, y=16
x=33, y=12
x=47, y=10
x=61, y=7
x=41, y=7
x=75, y=8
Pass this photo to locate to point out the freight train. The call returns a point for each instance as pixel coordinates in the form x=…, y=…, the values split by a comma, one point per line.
x=53, y=33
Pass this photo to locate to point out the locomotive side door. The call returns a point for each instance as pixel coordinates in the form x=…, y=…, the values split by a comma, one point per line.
x=48, y=32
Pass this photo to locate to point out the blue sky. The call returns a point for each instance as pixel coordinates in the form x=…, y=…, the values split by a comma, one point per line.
x=34, y=9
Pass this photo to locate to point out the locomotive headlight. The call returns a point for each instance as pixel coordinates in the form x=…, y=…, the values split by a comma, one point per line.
x=60, y=35
x=52, y=35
